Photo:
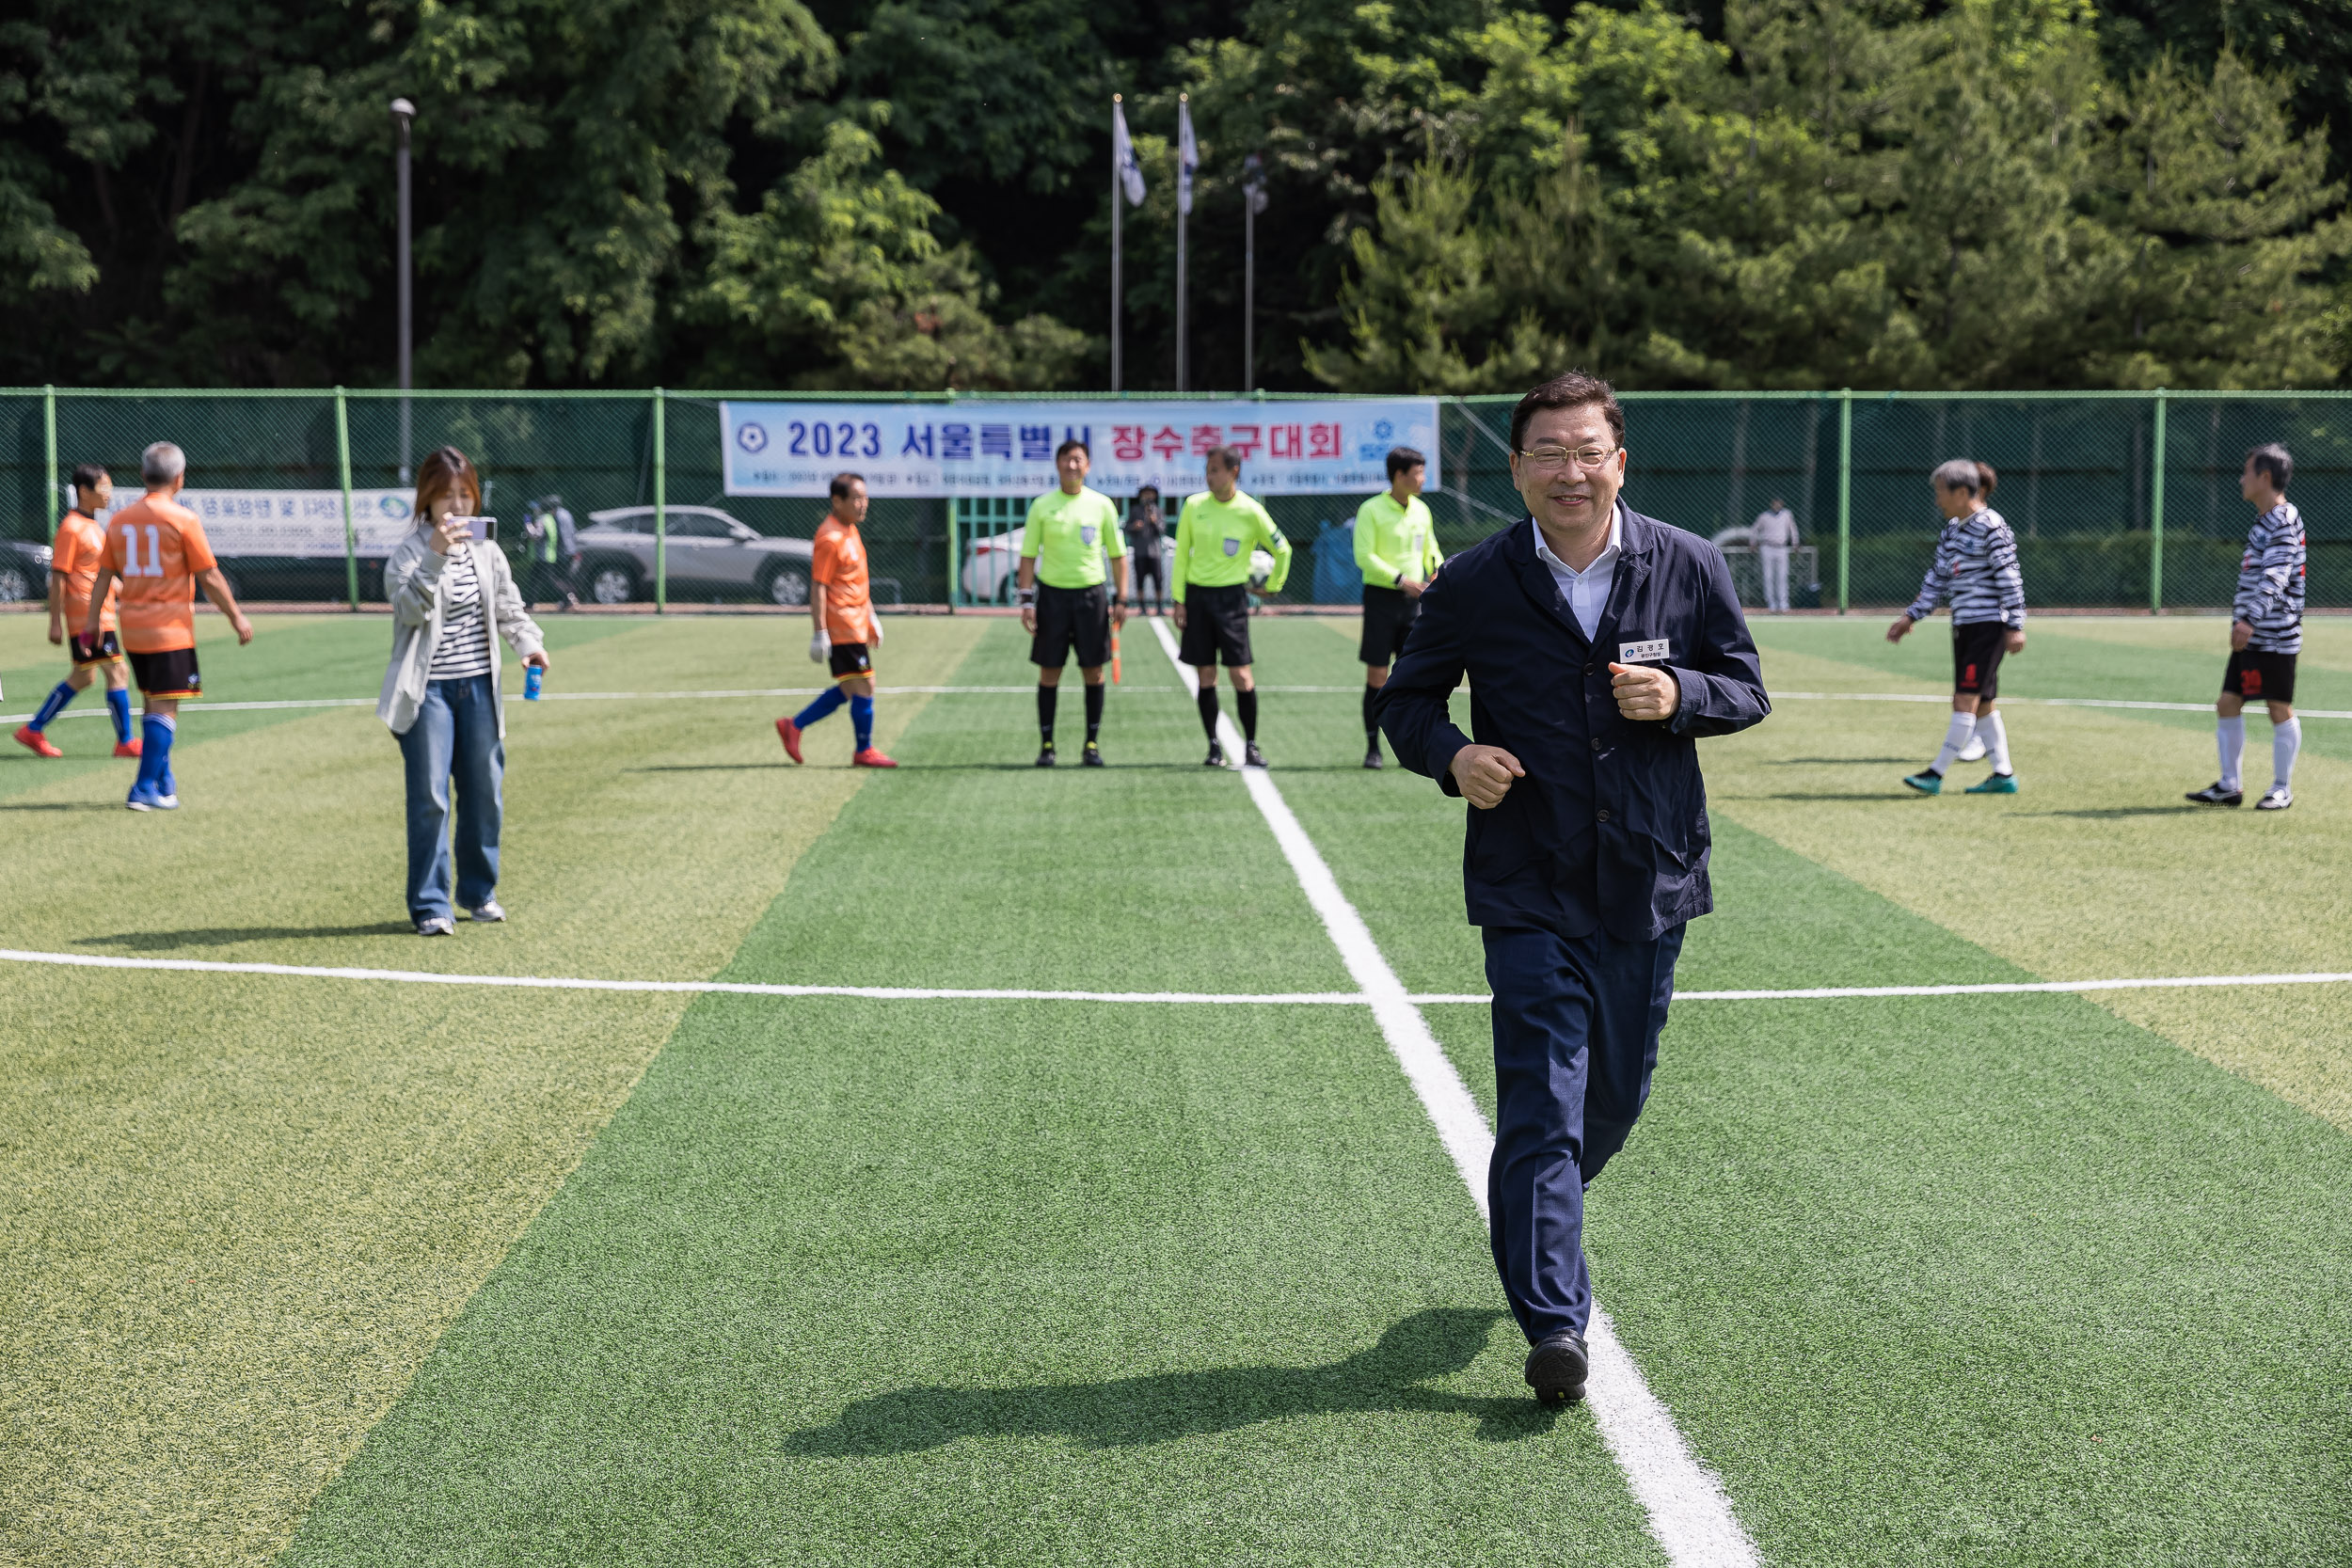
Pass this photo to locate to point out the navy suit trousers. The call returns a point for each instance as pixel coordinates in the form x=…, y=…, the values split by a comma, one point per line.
x=1576, y=1023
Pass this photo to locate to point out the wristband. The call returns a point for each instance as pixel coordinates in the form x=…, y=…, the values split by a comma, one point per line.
x=1025, y=598
x=1119, y=600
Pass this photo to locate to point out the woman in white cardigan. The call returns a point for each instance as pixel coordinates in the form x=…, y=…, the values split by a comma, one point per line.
x=454, y=597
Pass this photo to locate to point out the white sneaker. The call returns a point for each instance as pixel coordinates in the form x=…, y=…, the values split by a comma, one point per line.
x=487, y=912
x=1973, y=752
x=2279, y=798
x=435, y=926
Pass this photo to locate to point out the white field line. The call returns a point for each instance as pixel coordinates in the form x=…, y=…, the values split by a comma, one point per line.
x=1688, y=1511
x=1152, y=998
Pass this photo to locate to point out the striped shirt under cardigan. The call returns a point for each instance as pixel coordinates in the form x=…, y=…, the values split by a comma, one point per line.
x=1976, y=565
x=464, y=650
x=2270, y=581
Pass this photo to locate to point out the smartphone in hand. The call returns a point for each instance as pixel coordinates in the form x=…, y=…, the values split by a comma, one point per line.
x=484, y=529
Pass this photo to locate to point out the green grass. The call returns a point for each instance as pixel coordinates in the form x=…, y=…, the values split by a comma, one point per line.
x=407, y=1277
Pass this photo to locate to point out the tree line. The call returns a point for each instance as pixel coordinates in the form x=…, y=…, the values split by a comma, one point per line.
x=905, y=194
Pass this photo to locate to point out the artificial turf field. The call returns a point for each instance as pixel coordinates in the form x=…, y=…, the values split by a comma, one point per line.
x=330, y=1271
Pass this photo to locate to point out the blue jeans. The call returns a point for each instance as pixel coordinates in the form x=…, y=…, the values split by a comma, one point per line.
x=456, y=733
x=1576, y=1023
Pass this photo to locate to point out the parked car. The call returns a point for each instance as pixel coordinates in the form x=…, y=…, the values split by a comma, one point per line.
x=991, y=564
x=708, y=553
x=23, y=571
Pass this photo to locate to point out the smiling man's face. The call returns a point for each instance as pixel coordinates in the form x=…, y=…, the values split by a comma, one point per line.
x=1574, y=500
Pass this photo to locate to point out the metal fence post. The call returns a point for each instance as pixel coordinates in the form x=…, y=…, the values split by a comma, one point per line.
x=1845, y=492
x=954, y=565
x=351, y=533
x=660, y=509
x=2156, y=516
x=48, y=449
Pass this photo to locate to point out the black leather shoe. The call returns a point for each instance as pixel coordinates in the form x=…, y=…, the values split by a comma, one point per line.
x=1556, y=1368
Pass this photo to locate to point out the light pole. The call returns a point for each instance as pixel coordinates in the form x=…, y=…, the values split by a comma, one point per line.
x=402, y=112
x=1252, y=204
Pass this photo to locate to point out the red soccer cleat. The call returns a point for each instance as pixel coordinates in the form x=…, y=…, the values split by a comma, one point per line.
x=789, y=734
x=129, y=748
x=36, y=742
x=871, y=759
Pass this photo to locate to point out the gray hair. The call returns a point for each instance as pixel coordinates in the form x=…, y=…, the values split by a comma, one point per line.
x=1961, y=473
x=162, y=463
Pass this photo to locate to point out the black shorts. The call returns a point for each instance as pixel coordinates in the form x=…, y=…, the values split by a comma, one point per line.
x=104, y=649
x=171, y=674
x=1069, y=618
x=1388, y=616
x=1147, y=564
x=2259, y=676
x=852, y=658
x=1977, y=652
x=1217, y=624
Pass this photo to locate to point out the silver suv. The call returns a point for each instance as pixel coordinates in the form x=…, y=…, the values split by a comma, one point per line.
x=709, y=552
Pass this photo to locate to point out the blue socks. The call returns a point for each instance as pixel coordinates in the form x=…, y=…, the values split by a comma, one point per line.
x=52, y=706
x=830, y=700
x=119, y=706
x=862, y=716
x=155, y=733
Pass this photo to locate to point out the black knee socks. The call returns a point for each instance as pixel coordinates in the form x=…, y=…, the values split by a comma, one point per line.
x=1094, y=713
x=1372, y=725
x=1247, y=703
x=1208, y=711
x=1046, y=696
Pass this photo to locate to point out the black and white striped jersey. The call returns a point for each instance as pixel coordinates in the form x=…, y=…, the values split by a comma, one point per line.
x=1975, y=567
x=2270, y=581
x=464, y=650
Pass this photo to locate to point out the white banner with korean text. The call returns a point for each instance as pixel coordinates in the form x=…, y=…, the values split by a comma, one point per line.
x=242, y=523
x=971, y=447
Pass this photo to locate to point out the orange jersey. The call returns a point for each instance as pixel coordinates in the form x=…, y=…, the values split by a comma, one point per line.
x=157, y=546
x=81, y=542
x=840, y=564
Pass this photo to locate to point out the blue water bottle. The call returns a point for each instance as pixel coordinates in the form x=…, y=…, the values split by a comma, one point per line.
x=532, y=675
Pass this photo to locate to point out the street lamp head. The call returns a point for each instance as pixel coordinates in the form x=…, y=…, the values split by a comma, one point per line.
x=402, y=109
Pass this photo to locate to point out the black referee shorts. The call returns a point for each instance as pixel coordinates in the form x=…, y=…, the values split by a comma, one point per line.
x=1976, y=651
x=1216, y=625
x=1072, y=618
x=2259, y=676
x=1388, y=616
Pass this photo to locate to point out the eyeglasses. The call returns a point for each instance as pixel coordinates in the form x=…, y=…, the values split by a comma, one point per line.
x=1551, y=460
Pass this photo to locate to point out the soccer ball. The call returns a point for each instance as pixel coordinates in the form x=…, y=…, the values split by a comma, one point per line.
x=1261, y=568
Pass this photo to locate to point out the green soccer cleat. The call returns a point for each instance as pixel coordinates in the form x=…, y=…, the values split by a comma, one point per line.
x=1925, y=783
x=1999, y=783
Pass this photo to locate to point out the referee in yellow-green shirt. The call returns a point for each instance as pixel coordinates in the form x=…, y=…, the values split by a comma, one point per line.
x=1396, y=549
x=1216, y=533
x=1069, y=533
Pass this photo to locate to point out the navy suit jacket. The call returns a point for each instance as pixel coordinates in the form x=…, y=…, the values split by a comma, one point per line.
x=1609, y=828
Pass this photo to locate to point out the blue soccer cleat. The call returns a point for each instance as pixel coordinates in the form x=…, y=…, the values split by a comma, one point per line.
x=1925, y=783
x=1999, y=783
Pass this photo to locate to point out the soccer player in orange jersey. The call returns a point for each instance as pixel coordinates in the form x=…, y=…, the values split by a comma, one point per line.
x=847, y=628
x=155, y=548
x=73, y=571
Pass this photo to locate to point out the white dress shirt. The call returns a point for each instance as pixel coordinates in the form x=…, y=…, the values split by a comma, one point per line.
x=1587, y=592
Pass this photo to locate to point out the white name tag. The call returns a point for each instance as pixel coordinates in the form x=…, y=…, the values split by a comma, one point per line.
x=1642, y=653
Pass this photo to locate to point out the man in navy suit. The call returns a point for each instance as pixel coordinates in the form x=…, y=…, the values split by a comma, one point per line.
x=1599, y=646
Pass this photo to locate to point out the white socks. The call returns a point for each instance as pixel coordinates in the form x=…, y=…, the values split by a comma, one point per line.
x=2230, y=735
x=1995, y=735
x=2285, y=740
x=1962, y=726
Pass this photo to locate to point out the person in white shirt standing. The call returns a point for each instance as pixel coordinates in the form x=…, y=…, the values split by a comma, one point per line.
x=1776, y=536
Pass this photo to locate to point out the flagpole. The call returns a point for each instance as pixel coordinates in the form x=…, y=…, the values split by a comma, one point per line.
x=1184, y=112
x=1116, y=280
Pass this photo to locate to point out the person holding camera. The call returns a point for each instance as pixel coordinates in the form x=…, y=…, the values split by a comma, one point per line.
x=452, y=597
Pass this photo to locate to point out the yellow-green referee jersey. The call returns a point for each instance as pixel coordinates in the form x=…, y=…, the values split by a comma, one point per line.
x=1213, y=539
x=1393, y=540
x=1067, y=535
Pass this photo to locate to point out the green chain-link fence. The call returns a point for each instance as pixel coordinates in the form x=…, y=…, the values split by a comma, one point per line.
x=2118, y=499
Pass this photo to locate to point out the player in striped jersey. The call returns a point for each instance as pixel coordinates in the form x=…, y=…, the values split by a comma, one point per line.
x=1975, y=567
x=2265, y=634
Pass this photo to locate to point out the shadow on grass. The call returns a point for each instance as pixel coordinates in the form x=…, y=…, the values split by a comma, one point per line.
x=62, y=805
x=1836, y=795
x=1160, y=1407
x=2100, y=814
x=1874, y=762
x=224, y=936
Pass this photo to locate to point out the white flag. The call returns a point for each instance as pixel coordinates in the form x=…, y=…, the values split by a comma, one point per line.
x=1187, y=157
x=1123, y=157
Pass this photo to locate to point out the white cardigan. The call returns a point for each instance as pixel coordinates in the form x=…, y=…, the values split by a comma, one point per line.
x=412, y=580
